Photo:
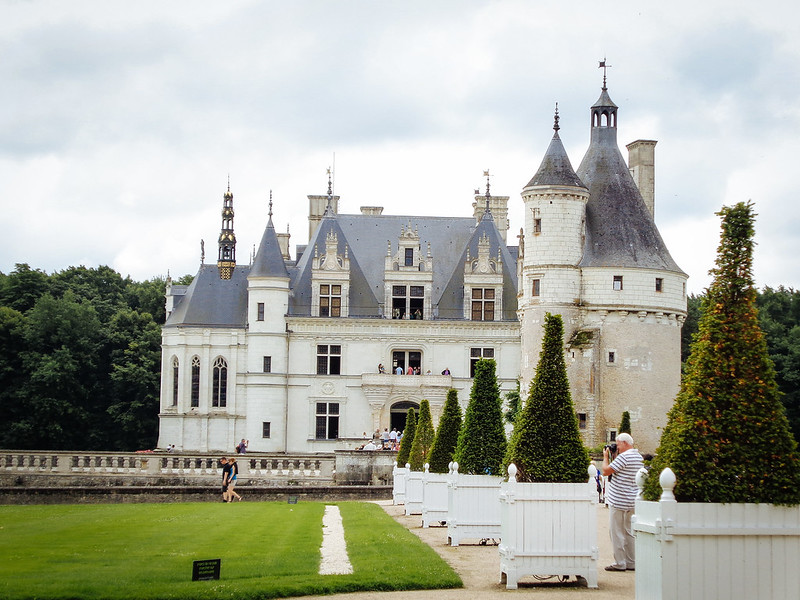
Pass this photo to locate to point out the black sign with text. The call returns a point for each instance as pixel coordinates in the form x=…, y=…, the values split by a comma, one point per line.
x=206, y=570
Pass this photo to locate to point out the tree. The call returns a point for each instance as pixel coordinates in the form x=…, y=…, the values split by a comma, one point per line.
x=546, y=444
x=779, y=317
x=408, y=438
x=444, y=446
x=482, y=440
x=22, y=287
x=727, y=437
x=423, y=438
x=514, y=403
x=625, y=423
x=689, y=330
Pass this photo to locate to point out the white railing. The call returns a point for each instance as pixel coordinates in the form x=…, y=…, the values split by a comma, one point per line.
x=198, y=466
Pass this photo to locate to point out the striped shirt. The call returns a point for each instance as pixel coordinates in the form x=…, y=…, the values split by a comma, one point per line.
x=622, y=488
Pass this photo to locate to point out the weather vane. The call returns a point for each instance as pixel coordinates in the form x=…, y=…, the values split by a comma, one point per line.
x=604, y=66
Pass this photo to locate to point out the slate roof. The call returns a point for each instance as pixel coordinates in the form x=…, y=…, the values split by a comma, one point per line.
x=620, y=232
x=213, y=302
x=268, y=261
x=366, y=237
x=556, y=168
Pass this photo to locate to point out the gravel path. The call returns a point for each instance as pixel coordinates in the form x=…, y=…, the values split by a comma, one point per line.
x=334, y=548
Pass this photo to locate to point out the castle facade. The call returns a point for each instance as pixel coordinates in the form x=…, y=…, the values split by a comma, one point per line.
x=377, y=311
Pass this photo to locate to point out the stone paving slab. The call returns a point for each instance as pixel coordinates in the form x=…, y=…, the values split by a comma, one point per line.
x=479, y=568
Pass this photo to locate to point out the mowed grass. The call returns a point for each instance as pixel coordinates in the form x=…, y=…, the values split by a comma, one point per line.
x=145, y=551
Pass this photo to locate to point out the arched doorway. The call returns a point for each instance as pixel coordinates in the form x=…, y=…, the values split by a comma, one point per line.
x=399, y=412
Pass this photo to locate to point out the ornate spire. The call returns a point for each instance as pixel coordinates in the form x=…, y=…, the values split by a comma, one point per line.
x=488, y=193
x=556, y=126
x=226, y=259
x=329, y=206
x=605, y=68
x=270, y=205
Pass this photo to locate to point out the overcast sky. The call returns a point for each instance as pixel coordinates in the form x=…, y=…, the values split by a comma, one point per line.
x=121, y=121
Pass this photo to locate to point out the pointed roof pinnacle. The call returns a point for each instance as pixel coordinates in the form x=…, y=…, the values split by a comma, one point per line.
x=329, y=206
x=556, y=126
x=605, y=68
x=488, y=193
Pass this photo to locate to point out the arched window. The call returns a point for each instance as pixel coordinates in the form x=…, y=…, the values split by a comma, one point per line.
x=219, y=392
x=195, y=401
x=174, y=381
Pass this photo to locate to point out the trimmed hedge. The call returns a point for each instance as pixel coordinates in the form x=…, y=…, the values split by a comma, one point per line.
x=423, y=438
x=444, y=446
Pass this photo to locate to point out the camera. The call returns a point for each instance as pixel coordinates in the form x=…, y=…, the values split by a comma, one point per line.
x=612, y=448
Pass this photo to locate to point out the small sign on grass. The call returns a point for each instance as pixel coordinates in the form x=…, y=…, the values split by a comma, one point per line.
x=292, y=499
x=206, y=570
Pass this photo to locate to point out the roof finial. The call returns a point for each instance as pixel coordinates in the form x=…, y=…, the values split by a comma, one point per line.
x=488, y=194
x=555, y=120
x=202, y=251
x=604, y=66
x=270, y=204
x=229, y=182
x=329, y=206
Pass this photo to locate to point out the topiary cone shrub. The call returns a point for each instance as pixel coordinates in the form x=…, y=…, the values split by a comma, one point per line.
x=727, y=438
x=625, y=424
x=482, y=441
x=423, y=438
x=546, y=445
x=408, y=438
x=444, y=445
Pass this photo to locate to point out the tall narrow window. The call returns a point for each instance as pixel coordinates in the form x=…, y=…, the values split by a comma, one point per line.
x=219, y=392
x=536, y=288
x=483, y=304
x=195, y=400
x=267, y=364
x=409, y=257
x=537, y=226
x=617, y=282
x=260, y=307
x=175, y=380
x=327, y=420
x=329, y=359
x=265, y=429
x=475, y=354
x=581, y=420
x=659, y=284
x=330, y=300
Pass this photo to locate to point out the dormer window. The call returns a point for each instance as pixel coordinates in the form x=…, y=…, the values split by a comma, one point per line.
x=408, y=301
x=483, y=304
x=409, y=257
x=330, y=300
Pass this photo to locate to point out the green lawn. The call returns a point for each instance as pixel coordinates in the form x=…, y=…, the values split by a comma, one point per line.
x=145, y=551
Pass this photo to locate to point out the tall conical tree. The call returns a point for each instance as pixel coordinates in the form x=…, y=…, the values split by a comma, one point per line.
x=444, y=446
x=625, y=423
x=546, y=444
x=408, y=438
x=727, y=438
x=482, y=441
x=423, y=438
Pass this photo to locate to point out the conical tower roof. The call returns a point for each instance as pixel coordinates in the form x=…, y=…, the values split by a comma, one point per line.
x=620, y=230
x=556, y=169
x=269, y=258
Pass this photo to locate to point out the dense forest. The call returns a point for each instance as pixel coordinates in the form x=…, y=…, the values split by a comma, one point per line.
x=80, y=356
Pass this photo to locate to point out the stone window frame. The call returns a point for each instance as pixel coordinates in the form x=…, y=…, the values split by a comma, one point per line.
x=330, y=299
x=219, y=383
x=267, y=366
x=326, y=422
x=617, y=283
x=194, y=400
x=329, y=359
x=476, y=354
x=175, y=380
x=483, y=301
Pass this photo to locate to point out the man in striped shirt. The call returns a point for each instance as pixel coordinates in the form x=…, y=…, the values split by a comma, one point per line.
x=621, y=497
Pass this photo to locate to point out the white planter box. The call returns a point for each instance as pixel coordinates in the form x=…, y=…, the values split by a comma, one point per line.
x=399, y=484
x=434, y=497
x=414, y=493
x=703, y=551
x=473, y=507
x=548, y=529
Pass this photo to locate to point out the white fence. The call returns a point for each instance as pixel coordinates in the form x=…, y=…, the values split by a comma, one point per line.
x=399, y=484
x=473, y=507
x=548, y=529
x=414, y=492
x=434, y=497
x=704, y=551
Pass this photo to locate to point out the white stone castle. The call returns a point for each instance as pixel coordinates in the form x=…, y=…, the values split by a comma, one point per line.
x=306, y=355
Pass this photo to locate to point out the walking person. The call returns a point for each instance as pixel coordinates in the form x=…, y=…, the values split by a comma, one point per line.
x=226, y=473
x=621, y=498
x=232, y=481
